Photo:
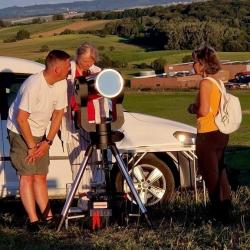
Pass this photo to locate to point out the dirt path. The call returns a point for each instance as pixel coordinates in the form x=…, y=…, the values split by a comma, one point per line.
x=80, y=25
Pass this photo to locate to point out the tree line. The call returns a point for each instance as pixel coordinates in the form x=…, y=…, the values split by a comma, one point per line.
x=224, y=24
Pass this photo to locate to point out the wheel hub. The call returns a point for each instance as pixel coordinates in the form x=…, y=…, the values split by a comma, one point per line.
x=149, y=182
x=145, y=185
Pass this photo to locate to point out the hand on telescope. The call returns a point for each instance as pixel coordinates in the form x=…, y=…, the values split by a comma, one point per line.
x=94, y=70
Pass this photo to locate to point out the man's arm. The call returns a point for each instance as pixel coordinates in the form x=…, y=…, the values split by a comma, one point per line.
x=22, y=121
x=44, y=145
x=55, y=123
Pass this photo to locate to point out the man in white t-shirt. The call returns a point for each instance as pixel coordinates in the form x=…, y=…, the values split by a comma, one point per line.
x=42, y=98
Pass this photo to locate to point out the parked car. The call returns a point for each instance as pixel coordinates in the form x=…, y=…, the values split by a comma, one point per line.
x=159, y=152
x=241, y=81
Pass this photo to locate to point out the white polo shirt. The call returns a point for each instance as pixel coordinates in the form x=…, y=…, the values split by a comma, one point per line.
x=39, y=99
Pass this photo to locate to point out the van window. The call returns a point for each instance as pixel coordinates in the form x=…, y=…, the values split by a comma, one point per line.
x=9, y=86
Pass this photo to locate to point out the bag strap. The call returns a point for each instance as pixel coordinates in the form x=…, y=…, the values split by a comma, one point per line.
x=218, y=83
x=220, y=86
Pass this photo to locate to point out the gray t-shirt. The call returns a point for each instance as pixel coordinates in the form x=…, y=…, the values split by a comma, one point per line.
x=39, y=99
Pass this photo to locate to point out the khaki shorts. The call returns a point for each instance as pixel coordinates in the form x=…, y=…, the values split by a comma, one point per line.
x=18, y=153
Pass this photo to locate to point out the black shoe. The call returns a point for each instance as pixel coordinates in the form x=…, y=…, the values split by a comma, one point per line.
x=33, y=227
x=49, y=224
x=226, y=215
x=222, y=212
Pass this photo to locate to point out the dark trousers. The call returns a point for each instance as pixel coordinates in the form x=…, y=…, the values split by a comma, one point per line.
x=210, y=149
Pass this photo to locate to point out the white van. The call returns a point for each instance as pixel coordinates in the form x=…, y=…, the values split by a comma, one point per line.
x=160, y=151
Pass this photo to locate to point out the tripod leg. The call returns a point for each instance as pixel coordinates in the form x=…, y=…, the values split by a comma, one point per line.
x=105, y=164
x=75, y=185
x=125, y=173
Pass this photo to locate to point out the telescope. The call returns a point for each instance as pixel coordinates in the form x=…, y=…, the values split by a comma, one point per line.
x=108, y=86
x=106, y=90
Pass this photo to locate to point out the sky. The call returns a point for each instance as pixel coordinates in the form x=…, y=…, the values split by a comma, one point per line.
x=10, y=3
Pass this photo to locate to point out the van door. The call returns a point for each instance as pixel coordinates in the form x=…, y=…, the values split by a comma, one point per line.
x=9, y=86
x=59, y=170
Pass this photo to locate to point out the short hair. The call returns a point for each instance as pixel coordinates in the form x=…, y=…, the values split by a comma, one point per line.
x=55, y=55
x=207, y=56
x=85, y=48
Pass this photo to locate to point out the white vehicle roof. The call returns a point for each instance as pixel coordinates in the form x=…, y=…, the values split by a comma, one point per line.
x=18, y=65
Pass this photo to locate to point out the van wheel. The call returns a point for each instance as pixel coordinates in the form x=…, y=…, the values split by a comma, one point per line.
x=152, y=179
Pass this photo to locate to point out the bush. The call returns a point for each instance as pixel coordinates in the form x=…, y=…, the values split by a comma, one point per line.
x=117, y=64
x=111, y=48
x=158, y=65
x=38, y=20
x=58, y=17
x=234, y=46
x=105, y=61
x=4, y=24
x=83, y=32
x=187, y=58
x=101, y=48
x=142, y=66
x=127, y=83
x=9, y=40
x=44, y=48
x=40, y=60
x=101, y=33
x=67, y=32
x=22, y=34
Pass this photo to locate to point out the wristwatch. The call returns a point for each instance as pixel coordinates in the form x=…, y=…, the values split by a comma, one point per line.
x=48, y=141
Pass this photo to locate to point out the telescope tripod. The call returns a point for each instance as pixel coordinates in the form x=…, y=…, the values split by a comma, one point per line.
x=102, y=139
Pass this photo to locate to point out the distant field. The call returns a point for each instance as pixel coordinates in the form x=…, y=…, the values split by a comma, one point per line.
x=77, y=25
x=29, y=49
x=123, y=51
x=52, y=27
x=34, y=28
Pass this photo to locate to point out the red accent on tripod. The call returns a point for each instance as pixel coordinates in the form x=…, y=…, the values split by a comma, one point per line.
x=96, y=220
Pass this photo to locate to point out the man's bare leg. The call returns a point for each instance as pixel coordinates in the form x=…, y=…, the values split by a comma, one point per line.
x=28, y=196
x=41, y=195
